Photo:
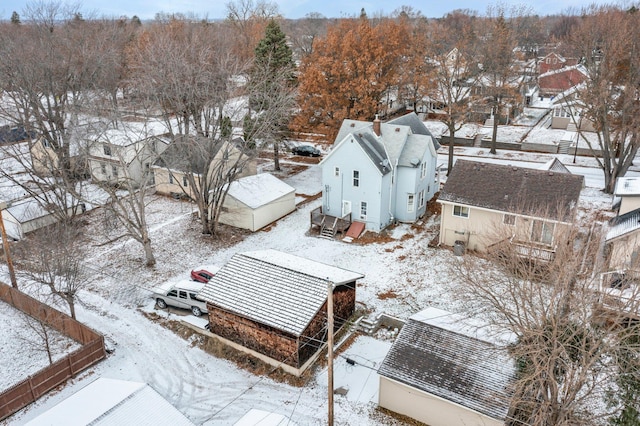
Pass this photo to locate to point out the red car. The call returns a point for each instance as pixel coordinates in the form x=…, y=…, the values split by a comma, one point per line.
x=202, y=275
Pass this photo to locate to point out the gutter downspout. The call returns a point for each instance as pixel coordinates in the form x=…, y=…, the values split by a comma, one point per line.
x=393, y=182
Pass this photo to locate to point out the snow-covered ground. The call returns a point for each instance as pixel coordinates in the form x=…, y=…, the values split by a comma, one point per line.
x=402, y=276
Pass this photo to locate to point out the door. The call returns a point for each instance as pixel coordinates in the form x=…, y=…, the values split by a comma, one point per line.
x=346, y=207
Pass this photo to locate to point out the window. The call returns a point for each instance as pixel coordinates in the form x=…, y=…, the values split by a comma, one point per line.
x=423, y=170
x=542, y=232
x=103, y=169
x=114, y=171
x=363, y=210
x=461, y=211
x=421, y=199
x=356, y=178
x=107, y=149
x=45, y=143
x=185, y=182
x=410, y=202
x=182, y=294
x=336, y=171
x=509, y=219
x=173, y=293
x=192, y=296
x=170, y=178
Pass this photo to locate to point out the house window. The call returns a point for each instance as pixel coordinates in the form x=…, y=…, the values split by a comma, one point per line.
x=114, y=171
x=107, y=149
x=542, y=232
x=356, y=178
x=103, y=169
x=363, y=210
x=185, y=182
x=509, y=219
x=461, y=211
x=45, y=143
x=421, y=199
x=410, y=202
x=170, y=178
x=336, y=171
x=423, y=170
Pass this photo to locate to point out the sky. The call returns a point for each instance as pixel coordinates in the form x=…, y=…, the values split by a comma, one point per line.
x=146, y=9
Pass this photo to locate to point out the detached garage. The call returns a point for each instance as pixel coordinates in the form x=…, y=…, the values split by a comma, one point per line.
x=255, y=201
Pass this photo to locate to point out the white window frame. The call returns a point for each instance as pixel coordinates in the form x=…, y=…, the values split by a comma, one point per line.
x=462, y=211
x=114, y=170
x=336, y=171
x=423, y=170
x=185, y=181
x=509, y=219
x=106, y=149
x=356, y=178
x=542, y=231
x=170, y=178
x=421, y=197
x=103, y=169
x=411, y=202
x=363, y=210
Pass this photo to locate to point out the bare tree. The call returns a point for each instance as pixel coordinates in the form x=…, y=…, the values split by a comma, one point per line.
x=247, y=21
x=54, y=69
x=501, y=78
x=39, y=336
x=563, y=341
x=455, y=58
x=608, y=42
x=54, y=258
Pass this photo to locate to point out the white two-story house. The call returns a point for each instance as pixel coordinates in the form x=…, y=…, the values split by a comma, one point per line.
x=377, y=174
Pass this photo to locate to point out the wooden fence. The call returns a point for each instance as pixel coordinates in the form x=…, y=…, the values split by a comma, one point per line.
x=29, y=390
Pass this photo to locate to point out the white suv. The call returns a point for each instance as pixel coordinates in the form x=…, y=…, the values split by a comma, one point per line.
x=182, y=294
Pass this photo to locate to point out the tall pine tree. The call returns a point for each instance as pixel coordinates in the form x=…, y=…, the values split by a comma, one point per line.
x=270, y=86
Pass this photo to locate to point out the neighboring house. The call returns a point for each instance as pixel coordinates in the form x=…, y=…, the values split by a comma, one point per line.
x=553, y=61
x=555, y=165
x=484, y=204
x=113, y=402
x=442, y=371
x=170, y=171
x=14, y=134
x=28, y=215
x=567, y=112
x=627, y=194
x=273, y=305
x=253, y=202
x=119, y=156
x=554, y=82
x=622, y=243
x=378, y=173
x=45, y=160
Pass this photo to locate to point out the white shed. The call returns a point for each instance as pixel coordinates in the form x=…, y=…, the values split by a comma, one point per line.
x=255, y=201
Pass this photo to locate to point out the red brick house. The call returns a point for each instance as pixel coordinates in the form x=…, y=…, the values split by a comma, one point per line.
x=273, y=305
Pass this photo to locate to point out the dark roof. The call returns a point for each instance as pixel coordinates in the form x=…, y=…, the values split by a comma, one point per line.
x=11, y=134
x=623, y=224
x=417, y=126
x=513, y=189
x=464, y=370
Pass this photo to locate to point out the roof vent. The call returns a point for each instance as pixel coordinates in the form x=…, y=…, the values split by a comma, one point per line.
x=353, y=125
x=398, y=129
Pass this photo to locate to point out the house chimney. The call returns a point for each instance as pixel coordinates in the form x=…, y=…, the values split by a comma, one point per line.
x=376, y=126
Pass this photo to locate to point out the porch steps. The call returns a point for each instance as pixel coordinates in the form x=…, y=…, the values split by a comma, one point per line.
x=369, y=325
x=327, y=233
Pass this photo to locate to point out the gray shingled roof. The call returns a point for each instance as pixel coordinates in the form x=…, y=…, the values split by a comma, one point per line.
x=513, y=189
x=403, y=140
x=274, y=288
x=461, y=369
x=623, y=224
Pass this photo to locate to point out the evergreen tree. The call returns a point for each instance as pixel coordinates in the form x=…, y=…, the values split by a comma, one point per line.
x=15, y=18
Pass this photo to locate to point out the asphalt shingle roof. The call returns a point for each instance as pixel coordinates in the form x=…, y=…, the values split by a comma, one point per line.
x=513, y=189
x=464, y=370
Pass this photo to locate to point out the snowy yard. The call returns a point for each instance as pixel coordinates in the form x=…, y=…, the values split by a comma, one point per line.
x=402, y=276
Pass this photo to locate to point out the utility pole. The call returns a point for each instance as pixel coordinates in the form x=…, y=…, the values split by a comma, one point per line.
x=330, y=348
x=5, y=245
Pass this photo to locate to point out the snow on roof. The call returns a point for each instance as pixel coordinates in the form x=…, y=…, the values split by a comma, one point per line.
x=627, y=185
x=113, y=402
x=306, y=266
x=258, y=190
x=432, y=355
x=255, y=417
x=623, y=224
x=274, y=288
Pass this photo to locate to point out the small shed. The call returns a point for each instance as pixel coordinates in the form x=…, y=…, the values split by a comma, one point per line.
x=273, y=305
x=27, y=215
x=113, y=402
x=255, y=201
x=444, y=371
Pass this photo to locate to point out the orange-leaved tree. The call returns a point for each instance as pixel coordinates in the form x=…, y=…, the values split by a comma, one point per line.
x=348, y=73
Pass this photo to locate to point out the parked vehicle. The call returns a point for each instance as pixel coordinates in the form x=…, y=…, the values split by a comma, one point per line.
x=183, y=294
x=203, y=274
x=306, y=150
